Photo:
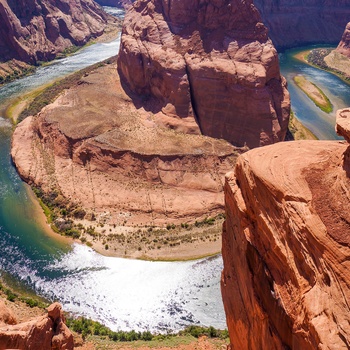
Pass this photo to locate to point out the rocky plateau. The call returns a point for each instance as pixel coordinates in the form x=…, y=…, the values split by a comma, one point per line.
x=296, y=23
x=286, y=246
x=93, y=146
x=208, y=66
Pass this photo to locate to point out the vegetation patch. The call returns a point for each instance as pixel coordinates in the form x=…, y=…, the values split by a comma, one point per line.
x=87, y=327
x=316, y=57
x=314, y=93
x=13, y=296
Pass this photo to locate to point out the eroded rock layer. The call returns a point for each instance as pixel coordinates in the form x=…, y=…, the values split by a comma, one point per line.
x=302, y=22
x=344, y=45
x=95, y=148
x=209, y=63
x=44, y=332
x=32, y=30
x=286, y=246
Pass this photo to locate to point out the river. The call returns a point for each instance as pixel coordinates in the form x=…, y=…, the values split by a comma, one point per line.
x=122, y=294
x=320, y=123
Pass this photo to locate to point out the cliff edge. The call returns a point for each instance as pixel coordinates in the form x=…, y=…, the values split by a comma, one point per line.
x=208, y=65
x=286, y=245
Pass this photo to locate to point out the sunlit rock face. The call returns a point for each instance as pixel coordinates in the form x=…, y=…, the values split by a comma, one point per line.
x=302, y=22
x=33, y=30
x=286, y=245
x=43, y=332
x=344, y=45
x=210, y=62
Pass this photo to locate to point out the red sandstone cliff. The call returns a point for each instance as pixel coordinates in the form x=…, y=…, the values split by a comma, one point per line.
x=303, y=22
x=32, y=30
x=344, y=45
x=43, y=332
x=286, y=246
x=208, y=63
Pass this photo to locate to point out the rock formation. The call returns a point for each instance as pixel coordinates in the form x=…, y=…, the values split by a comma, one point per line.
x=95, y=148
x=303, y=22
x=286, y=246
x=208, y=64
x=344, y=45
x=32, y=30
x=45, y=332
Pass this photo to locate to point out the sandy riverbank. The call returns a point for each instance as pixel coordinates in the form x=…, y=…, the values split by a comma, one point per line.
x=314, y=93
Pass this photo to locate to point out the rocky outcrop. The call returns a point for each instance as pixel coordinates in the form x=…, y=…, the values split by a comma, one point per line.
x=45, y=332
x=209, y=63
x=286, y=246
x=32, y=30
x=95, y=148
x=303, y=22
x=344, y=45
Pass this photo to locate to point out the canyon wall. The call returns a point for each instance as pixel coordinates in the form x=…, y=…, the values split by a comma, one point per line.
x=286, y=246
x=344, y=45
x=32, y=30
x=297, y=22
x=208, y=63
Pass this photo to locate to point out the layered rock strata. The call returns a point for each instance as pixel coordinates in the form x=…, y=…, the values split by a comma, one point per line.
x=44, y=332
x=32, y=30
x=344, y=45
x=95, y=148
x=286, y=246
x=303, y=22
x=209, y=63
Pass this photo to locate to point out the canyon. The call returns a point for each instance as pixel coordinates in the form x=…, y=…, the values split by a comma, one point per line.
x=34, y=31
x=286, y=245
x=135, y=150
x=297, y=23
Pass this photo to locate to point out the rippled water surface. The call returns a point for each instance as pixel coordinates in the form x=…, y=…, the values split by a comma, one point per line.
x=320, y=123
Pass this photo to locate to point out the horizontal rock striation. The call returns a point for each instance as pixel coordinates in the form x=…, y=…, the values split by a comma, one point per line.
x=43, y=332
x=286, y=246
x=344, y=45
x=296, y=23
x=93, y=147
x=32, y=30
x=208, y=63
